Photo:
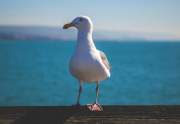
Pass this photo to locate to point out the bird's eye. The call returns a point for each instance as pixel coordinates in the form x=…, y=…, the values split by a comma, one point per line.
x=80, y=19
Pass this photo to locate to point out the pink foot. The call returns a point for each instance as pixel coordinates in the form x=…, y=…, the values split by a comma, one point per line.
x=95, y=107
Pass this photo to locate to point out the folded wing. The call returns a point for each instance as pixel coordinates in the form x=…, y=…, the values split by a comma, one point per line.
x=105, y=60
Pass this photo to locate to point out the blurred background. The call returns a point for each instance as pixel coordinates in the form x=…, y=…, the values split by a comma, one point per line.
x=141, y=39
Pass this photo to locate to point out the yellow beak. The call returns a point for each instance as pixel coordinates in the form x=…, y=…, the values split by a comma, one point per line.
x=68, y=25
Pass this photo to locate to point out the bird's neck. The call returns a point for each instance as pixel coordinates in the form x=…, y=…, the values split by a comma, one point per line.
x=85, y=41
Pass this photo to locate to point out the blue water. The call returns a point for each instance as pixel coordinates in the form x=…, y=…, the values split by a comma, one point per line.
x=36, y=73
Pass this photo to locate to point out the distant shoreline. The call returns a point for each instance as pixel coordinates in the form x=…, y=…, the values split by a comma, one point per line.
x=57, y=33
x=62, y=40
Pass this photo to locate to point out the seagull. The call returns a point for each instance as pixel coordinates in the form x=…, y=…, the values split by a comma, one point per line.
x=87, y=64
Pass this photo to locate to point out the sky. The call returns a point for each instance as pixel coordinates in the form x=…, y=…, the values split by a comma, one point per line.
x=153, y=16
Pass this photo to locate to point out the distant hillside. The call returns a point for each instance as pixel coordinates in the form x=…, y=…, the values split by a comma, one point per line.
x=27, y=32
x=57, y=33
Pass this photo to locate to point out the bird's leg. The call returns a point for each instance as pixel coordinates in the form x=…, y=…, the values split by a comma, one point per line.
x=79, y=93
x=97, y=92
x=96, y=106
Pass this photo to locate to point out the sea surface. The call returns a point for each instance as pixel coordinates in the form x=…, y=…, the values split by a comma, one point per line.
x=35, y=73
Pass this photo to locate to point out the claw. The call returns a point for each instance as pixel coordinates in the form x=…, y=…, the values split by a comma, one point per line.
x=95, y=107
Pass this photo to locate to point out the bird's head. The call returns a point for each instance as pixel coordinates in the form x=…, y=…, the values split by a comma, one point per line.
x=81, y=23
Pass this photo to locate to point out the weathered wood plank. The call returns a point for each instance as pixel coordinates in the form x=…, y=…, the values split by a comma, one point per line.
x=73, y=115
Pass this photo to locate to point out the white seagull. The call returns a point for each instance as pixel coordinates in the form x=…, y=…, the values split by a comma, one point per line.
x=87, y=64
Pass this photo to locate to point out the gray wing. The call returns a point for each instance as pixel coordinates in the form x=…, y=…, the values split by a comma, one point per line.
x=105, y=60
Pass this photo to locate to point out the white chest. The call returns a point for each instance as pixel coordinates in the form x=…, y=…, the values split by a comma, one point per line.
x=87, y=67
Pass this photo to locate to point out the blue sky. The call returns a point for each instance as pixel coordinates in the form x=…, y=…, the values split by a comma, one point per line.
x=154, y=16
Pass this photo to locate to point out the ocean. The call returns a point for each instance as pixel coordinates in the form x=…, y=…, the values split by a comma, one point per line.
x=35, y=73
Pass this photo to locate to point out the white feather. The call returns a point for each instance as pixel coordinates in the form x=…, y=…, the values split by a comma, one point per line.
x=86, y=63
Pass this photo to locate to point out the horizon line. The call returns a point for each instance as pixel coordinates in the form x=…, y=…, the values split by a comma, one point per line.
x=140, y=34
